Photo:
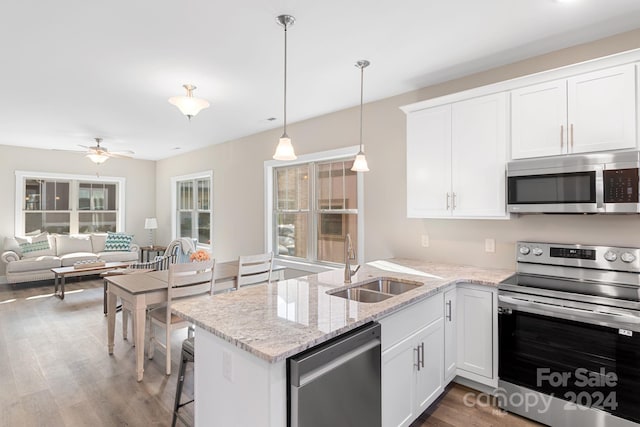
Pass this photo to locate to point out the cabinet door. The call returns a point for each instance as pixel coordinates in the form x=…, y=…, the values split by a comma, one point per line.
x=602, y=110
x=429, y=162
x=539, y=120
x=450, y=335
x=430, y=374
x=479, y=155
x=398, y=383
x=475, y=331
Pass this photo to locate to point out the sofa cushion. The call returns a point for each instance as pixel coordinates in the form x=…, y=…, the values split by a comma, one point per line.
x=34, y=264
x=119, y=256
x=97, y=241
x=68, y=244
x=117, y=242
x=35, y=246
x=68, y=260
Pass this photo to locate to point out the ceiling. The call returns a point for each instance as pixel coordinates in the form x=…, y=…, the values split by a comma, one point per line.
x=73, y=70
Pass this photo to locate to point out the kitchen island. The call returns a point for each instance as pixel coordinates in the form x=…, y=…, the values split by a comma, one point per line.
x=245, y=337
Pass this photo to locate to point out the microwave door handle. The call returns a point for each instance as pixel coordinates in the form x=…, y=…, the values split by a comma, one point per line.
x=586, y=316
x=599, y=189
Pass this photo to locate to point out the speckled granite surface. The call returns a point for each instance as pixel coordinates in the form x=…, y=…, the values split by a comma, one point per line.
x=281, y=319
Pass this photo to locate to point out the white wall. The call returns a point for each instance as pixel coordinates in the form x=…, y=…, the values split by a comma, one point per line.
x=139, y=175
x=238, y=180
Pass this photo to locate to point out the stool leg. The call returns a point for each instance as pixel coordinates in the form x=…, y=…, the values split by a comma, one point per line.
x=180, y=383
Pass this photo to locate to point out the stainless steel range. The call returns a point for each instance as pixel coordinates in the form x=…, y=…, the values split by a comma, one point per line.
x=569, y=335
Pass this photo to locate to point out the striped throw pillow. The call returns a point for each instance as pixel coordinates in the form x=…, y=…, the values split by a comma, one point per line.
x=117, y=242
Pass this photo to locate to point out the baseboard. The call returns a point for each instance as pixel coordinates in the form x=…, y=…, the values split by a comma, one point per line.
x=474, y=385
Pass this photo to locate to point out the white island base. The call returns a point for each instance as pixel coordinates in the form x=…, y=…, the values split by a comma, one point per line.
x=236, y=388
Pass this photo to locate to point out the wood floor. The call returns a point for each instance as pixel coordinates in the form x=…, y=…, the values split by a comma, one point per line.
x=55, y=369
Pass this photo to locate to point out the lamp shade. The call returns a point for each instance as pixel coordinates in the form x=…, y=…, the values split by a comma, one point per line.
x=150, y=223
x=189, y=106
x=98, y=157
x=360, y=163
x=284, y=150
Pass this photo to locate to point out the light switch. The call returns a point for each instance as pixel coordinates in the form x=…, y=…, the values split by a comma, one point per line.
x=425, y=240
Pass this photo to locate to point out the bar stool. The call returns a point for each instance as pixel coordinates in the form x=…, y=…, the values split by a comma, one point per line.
x=188, y=353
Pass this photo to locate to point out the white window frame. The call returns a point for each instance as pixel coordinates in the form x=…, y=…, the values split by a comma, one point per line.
x=174, y=204
x=322, y=156
x=22, y=176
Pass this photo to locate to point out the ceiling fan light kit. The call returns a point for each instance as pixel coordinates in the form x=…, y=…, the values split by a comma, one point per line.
x=98, y=154
x=189, y=105
x=284, y=150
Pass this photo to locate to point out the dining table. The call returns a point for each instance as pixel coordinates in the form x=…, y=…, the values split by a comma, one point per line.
x=139, y=291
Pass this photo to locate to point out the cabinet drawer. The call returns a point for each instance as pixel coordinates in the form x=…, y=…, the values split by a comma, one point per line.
x=408, y=320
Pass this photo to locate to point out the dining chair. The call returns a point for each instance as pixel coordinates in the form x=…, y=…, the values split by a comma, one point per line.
x=254, y=269
x=185, y=280
x=161, y=262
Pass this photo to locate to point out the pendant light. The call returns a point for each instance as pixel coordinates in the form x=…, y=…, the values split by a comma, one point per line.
x=284, y=150
x=189, y=105
x=360, y=163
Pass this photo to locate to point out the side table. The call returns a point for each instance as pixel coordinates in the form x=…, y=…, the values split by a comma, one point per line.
x=158, y=250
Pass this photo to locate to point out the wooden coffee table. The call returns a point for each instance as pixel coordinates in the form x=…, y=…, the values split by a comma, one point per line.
x=62, y=272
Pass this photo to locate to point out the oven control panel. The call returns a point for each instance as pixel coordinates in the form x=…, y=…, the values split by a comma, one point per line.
x=599, y=257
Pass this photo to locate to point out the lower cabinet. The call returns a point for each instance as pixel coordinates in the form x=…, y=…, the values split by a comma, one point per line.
x=413, y=367
x=476, y=332
x=450, y=335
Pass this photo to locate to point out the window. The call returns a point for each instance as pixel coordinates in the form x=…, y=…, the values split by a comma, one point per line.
x=66, y=204
x=193, y=208
x=314, y=205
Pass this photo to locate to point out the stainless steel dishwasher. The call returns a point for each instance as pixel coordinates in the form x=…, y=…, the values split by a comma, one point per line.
x=338, y=382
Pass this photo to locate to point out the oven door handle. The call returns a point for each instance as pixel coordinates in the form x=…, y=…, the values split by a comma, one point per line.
x=586, y=316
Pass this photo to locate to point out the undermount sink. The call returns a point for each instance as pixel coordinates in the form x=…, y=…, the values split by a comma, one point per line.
x=376, y=290
x=389, y=286
x=361, y=295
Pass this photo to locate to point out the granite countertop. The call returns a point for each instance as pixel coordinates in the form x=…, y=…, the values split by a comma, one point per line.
x=283, y=318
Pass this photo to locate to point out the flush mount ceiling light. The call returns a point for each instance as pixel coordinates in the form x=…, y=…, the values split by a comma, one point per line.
x=189, y=105
x=360, y=163
x=284, y=150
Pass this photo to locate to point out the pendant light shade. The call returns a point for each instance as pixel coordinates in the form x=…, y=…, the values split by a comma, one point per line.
x=360, y=162
x=284, y=150
x=189, y=105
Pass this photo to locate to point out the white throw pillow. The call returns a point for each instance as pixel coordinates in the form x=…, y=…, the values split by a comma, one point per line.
x=33, y=247
x=69, y=244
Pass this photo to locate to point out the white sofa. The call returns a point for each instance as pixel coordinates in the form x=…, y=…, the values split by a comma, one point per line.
x=64, y=250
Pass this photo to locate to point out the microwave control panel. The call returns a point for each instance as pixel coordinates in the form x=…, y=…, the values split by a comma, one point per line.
x=621, y=185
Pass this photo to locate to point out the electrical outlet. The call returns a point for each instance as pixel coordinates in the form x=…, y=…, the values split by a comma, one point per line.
x=227, y=365
x=425, y=240
x=489, y=245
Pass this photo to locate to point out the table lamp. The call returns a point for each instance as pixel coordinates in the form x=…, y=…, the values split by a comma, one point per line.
x=150, y=224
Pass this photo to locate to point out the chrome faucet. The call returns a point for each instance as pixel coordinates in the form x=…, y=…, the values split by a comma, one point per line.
x=349, y=254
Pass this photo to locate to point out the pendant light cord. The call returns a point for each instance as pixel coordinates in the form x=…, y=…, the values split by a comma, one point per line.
x=285, y=80
x=361, y=102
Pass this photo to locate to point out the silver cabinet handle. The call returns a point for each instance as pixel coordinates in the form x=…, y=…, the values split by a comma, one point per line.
x=449, y=310
x=448, y=196
x=422, y=358
x=571, y=131
x=454, y=201
x=561, y=138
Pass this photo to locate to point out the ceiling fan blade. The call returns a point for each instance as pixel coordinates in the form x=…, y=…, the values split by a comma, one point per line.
x=118, y=155
x=123, y=152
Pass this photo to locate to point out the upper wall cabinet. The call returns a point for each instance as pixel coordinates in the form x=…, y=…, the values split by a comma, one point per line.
x=456, y=156
x=594, y=111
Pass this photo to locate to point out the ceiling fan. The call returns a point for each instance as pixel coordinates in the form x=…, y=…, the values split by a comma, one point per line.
x=99, y=154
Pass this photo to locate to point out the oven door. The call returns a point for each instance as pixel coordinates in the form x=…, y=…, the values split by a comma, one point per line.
x=581, y=358
x=556, y=191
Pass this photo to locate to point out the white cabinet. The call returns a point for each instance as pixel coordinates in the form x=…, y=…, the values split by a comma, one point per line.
x=456, y=156
x=450, y=334
x=589, y=112
x=412, y=361
x=476, y=324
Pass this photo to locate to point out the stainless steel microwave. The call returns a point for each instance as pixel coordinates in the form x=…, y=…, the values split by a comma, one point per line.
x=586, y=183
